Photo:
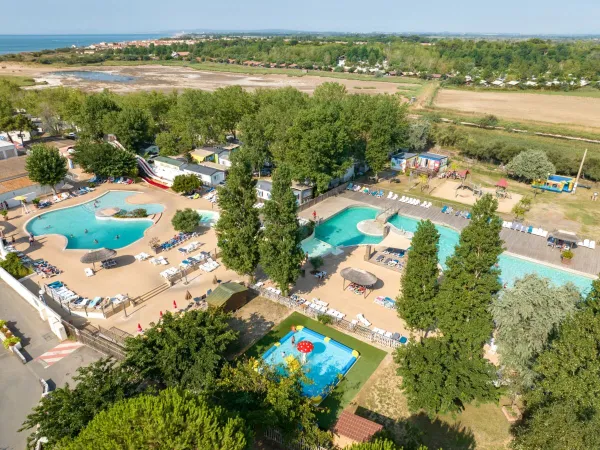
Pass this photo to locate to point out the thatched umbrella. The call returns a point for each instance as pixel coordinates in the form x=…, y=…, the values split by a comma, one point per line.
x=358, y=276
x=94, y=256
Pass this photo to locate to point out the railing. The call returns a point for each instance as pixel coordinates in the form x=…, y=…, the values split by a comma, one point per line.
x=341, y=324
x=331, y=193
x=91, y=336
x=104, y=312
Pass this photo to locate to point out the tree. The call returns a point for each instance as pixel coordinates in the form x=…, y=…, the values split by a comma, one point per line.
x=171, y=419
x=14, y=266
x=471, y=279
x=440, y=376
x=184, y=350
x=238, y=226
x=280, y=252
x=104, y=160
x=67, y=411
x=171, y=144
x=420, y=280
x=185, y=220
x=93, y=114
x=526, y=316
x=46, y=166
x=419, y=135
x=562, y=411
x=231, y=104
x=186, y=183
x=266, y=399
x=132, y=126
x=21, y=123
x=531, y=165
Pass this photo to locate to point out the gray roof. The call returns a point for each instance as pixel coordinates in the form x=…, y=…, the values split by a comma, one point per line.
x=202, y=170
x=264, y=185
x=171, y=161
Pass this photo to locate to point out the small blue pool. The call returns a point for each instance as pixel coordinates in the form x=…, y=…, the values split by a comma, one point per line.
x=73, y=222
x=325, y=365
x=341, y=230
x=96, y=76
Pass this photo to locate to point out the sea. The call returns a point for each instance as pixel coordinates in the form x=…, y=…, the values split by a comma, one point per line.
x=16, y=43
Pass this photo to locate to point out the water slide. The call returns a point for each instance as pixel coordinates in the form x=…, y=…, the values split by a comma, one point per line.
x=150, y=176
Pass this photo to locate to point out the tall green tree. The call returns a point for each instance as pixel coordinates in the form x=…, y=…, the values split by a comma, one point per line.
x=239, y=225
x=232, y=103
x=104, y=160
x=280, y=252
x=419, y=135
x=172, y=419
x=46, y=166
x=93, y=115
x=531, y=165
x=69, y=409
x=526, y=316
x=439, y=376
x=185, y=220
x=471, y=279
x=186, y=183
x=132, y=126
x=185, y=350
x=563, y=410
x=420, y=279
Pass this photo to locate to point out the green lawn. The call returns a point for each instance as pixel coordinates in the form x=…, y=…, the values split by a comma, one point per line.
x=19, y=81
x=369, y=360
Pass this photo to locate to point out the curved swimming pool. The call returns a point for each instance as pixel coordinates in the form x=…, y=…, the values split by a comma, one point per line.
x=83, y=230
x=341, y=230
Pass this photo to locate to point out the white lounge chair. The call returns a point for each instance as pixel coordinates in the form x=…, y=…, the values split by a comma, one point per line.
x=592, y=244
x=142, y=256
x=390, y=194
x=363, y=320
x=586, y=243
x=88, y=272
x=395, y=197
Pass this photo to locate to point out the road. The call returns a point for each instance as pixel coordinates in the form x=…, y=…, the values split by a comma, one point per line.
x=20, y=389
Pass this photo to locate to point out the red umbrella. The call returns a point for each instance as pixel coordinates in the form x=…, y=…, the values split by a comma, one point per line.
x=174, y=304
x=305, y=347
x=161, y=314
x=139, y=328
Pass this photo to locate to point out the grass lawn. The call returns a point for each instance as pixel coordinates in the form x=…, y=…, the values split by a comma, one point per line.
x=19, y=81
x=370, y=358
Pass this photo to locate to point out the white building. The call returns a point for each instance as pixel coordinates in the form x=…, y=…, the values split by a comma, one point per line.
x=15, y=182
x=7, y=150
x=302, y=192
x=211, y=174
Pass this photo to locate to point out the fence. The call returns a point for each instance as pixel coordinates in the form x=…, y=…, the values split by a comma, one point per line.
x=92, y=336
x=102, y=312
x=275, y=436
x=332, y=193
x=341, y=324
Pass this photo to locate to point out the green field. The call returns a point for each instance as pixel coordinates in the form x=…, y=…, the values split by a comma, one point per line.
x=19, y=81
x=369, y=360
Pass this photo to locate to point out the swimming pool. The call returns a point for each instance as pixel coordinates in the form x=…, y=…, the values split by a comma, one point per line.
x=328, y=362
x=208, y=218
x=341, y=230
x=72, y=222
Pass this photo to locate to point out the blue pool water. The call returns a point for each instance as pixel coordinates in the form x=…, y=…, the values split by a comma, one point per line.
x=341, y=230
x=324, y=365
x=73, y=221
x=96, y=76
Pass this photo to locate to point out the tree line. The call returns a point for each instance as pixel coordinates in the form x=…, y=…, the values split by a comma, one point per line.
x=519, y=59
x=547, y=338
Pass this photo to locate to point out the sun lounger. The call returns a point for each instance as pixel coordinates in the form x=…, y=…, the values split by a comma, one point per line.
x=88, y=272
x=592, y=245
x=390, y=194
x=544, y=233
x=586, y=243
x=142, y=256
x=349, y=187
x=395, y=197
x=363, y=320
x=95, y=302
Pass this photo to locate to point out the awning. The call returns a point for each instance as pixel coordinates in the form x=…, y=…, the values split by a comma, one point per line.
x=502, y=183
x=395, y=240
x=358, y=276
x=94, y=256
x=567, y=236
x=463, y=173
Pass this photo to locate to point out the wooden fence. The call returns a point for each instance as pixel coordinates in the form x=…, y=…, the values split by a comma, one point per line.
x=331, y=193
x=92, y=336
x=341, y=324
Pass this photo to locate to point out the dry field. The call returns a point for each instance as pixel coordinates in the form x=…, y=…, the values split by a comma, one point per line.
x=168, y=78
x=544, y=108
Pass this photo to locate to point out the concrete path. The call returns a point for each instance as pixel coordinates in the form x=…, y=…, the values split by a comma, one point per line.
x=20, y=389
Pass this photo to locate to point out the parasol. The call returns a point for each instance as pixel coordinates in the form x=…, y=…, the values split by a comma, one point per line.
x=305, y=347
x=94, y=256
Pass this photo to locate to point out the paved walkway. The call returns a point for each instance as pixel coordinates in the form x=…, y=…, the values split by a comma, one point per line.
x=519, y=243
x=20, y=389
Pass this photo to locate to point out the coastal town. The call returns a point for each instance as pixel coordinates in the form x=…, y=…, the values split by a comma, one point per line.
x=308, y=242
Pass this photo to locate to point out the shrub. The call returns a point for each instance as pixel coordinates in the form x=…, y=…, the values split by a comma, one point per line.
x=567, y=254
x=186, y=183
x=2, y=324
x=325, y=319
x=4, y=213
x=9, y=342
x=185, y=220
x=13, y=265
x=316, y=262
x=139, y=212
x=36, y=201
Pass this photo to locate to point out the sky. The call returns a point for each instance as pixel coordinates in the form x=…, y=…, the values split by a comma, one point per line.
x=149, y=16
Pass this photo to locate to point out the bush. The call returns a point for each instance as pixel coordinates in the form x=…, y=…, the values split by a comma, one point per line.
x=4, y=213
x=185, y=220
x=9, y=342
x=139, y=212
x=325, y=319
x=13, y=265
x=316, y=262
x=567, y=254
x=186, y=183
x=2, y=324
x=36, y=201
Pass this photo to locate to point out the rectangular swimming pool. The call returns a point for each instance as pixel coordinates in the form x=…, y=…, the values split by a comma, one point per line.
x=325, y=365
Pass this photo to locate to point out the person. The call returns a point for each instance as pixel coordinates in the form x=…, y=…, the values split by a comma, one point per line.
x=95, y=241
x=72, y=236
x=293, y=340
x=12, y=239
x=85, y=231
x=283, y=354
x=30, y=240
x=117, y=236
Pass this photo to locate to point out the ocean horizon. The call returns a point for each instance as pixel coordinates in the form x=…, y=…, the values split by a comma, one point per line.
x=17, y=43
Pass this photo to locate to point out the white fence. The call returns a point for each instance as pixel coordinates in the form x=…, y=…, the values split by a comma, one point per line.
x=341, y=324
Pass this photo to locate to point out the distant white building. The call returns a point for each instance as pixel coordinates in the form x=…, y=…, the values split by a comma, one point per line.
x=341, y=61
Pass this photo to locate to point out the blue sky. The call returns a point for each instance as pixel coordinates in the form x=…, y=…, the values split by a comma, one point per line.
x=129, y=16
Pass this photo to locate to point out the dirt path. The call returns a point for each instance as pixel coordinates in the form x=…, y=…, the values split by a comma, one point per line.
x=167, y=78
x=544, y=108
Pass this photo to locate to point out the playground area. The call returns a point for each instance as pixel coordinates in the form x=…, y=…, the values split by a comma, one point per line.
x=451, y=190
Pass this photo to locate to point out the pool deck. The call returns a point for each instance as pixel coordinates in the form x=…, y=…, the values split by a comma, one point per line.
x=586, y=261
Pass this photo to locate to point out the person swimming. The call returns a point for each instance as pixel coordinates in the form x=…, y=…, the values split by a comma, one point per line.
x=72, y=236
x=85, y=231
x=117, y=236
x=95, y=241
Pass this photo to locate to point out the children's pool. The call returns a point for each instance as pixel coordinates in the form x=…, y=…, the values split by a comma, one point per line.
x=208, y=218
x=341, y=230
x=328, y=362
x=73, y=222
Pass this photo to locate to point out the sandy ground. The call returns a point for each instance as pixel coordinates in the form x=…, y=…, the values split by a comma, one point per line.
x=167, y=78
x=545, y=108
x=447, y=190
